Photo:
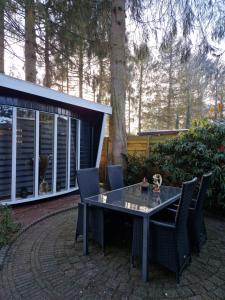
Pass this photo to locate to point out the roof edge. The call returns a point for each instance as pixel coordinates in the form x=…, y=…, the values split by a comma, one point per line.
x=27, y=87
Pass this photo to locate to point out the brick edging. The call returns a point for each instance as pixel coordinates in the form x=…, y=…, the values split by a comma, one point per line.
x=4, y=250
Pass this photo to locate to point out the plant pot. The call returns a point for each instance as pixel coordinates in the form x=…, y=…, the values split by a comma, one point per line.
x=43, y=187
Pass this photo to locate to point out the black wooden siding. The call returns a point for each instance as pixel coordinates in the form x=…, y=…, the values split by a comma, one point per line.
x=89, y=142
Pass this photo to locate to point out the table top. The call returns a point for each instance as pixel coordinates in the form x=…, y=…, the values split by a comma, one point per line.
x=133, y=199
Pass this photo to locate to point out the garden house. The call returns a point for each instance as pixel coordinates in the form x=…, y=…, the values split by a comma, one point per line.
x=45, y=136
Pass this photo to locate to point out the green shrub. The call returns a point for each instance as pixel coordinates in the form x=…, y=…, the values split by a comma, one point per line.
x=7, y=227
x=136, y=168
x=194, y=153
x=200, y=150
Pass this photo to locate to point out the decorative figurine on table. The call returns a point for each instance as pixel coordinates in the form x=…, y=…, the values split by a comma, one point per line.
x=144, y=184
x=157, y=181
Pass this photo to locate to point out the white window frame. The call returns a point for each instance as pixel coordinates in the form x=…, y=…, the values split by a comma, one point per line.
x=98, y=159
x=14, y=149
x=37, y=196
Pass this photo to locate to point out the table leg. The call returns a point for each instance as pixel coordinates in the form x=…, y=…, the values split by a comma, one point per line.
x=145, y=249
x=85, y=230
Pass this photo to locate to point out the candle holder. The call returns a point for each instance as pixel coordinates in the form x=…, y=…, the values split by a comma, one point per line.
x=144, y=184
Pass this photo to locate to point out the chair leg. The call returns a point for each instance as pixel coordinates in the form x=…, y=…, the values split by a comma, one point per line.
x=133, y=261
x=76, y=236
x=178, y=278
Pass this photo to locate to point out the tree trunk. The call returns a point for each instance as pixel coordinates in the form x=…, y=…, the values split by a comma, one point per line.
x=129, y=111
x=170, y=92
x=2, y=35
x=140, y=97
x=101, y=75
x=67, y=78
x=30, y=41
x=81, y=69
x=189, y=102
x=47, y=80
x=216, y=98
x=118, y=73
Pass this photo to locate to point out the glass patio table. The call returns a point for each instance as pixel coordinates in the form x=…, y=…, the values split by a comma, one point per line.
x=137, y=202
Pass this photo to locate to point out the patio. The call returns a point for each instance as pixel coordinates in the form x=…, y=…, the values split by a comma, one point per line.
x=44, y=263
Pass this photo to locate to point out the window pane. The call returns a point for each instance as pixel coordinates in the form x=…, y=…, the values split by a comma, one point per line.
x=73, y=153
x=5, y=152
x=46, y=147
x=25, y=155
x=61, y=154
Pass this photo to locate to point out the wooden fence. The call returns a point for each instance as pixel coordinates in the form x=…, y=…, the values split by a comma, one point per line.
x=140, y=145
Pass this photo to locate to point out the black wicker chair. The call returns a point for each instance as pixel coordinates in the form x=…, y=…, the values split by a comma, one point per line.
x=196, y=224
x=88, y=182
x=123, y=221
x=169, y=244
x=115, y=177
x=170, y=241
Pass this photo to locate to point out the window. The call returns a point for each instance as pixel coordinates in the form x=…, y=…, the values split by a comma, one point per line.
x=5, y=152
x=35, y=146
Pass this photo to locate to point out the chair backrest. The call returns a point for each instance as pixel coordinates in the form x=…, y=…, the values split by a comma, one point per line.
x=88, y=182
x=185, y=201
x=182, y=238
x=115, y=177
x=202, y=192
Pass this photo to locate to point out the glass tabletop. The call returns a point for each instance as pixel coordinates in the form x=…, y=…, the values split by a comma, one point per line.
x=134, y=198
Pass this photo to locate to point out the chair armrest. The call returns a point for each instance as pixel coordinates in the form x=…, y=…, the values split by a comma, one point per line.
x=172, y=210
x=191, y=209
x=163, y=224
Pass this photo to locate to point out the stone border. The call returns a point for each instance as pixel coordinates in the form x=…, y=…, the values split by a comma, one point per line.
x=4, y=250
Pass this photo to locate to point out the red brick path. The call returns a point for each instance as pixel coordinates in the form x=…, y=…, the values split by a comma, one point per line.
x=26, y=214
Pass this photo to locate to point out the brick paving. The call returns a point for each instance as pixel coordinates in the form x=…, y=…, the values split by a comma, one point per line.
x=45, y=263
x=26, y=214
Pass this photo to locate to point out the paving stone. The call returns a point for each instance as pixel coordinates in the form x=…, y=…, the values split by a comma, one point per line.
x=44, y=263
x=215, y=279
x=220, y=293
x=185, y=291
x=197, y=297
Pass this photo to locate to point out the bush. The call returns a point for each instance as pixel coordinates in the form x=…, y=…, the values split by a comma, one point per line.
x=7, y=227
x=136, y=168
x=200, y=150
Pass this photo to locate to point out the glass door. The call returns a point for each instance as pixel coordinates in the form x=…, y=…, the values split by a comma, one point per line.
x=62, y=151
x=73, y=153
x=46, y=150
x=25, y=153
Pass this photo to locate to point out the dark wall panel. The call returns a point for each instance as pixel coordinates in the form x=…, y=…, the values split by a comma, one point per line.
x=86, y=160
x=90, y=136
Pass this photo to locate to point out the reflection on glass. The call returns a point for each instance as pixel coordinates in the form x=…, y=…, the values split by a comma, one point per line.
x=25, y=142
x=5, y=152
x=46, y=147
x=73, y=138
x=61, y=179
